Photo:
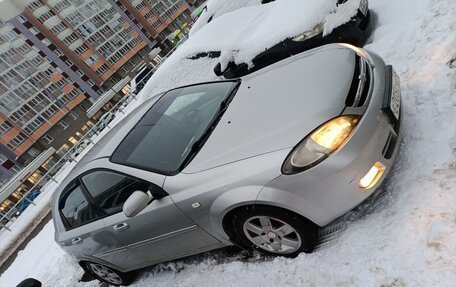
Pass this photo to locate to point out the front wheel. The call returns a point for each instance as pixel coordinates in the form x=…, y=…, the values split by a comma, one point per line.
x=274, y=231
x=107, y=274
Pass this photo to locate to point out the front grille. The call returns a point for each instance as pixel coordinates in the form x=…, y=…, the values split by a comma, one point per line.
x=359, y=89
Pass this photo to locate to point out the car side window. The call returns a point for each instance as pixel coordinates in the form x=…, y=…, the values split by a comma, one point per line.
x=110, y=190
x=75, y=208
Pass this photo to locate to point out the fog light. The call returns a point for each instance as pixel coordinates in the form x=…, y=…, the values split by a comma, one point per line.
x=372, y=176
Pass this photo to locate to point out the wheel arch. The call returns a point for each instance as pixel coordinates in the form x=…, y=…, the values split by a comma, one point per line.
x=227, y=220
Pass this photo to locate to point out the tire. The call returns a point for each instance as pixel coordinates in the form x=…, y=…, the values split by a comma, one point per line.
x=274, y=231
x=107, y=274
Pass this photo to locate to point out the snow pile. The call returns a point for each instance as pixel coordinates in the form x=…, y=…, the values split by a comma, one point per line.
x=341, y=15
x=409, y=236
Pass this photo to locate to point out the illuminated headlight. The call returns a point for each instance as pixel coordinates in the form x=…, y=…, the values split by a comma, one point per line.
x=309, y=34
x=320, y=144
x=372, y=176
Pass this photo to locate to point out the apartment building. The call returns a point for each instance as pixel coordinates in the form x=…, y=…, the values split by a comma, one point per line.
x=58, y=58
x=35, y=96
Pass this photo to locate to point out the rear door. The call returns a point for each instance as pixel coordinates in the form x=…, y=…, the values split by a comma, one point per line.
x=160, y=232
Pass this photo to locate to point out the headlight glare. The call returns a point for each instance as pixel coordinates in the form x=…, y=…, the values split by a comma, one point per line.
x=332, y=134
x=320, y=144
x=309, y=34
x=360, y=52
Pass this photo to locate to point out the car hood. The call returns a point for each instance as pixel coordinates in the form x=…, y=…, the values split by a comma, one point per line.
x=275, y=108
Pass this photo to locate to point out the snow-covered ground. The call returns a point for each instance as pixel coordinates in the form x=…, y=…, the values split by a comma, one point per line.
x=409, y=239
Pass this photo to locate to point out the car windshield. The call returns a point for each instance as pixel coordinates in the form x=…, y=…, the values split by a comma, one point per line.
x=175, y=128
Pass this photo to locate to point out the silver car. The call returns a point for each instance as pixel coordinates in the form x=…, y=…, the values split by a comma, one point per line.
x=261, y=162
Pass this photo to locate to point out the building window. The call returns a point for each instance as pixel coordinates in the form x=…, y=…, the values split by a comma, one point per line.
x=49, y=73
x=73, y=140
x=22, y=19
x=2, y=159
x=5, y=127
x=58, y=52
x=80, y=73
x=90, y=83
x=140, y=6
x=61, y=83
x=34, y=30
x=48, y=139
x=103, y=69
x=83, y=107
x=46, y=42
x=16, y=141
x=64, y=125
x=91, y=60
x=74, y=115
x=15, y=169
x=33, y=152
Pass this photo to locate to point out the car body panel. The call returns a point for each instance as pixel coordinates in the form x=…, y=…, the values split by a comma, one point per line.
x=161, y=231
x=265, y=123
x=216, y=191
x=329, y=189
x=240, y=163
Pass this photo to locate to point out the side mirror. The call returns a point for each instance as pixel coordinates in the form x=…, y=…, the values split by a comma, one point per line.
x=135, y=203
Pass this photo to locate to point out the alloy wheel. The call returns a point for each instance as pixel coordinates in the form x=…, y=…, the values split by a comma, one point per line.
x=272, y=234
x=105, y=273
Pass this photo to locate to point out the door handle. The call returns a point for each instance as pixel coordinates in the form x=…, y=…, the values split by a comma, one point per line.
x=120, y=227
x=76, y=240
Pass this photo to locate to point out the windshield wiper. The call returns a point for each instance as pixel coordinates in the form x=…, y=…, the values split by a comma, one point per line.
x=198, y=144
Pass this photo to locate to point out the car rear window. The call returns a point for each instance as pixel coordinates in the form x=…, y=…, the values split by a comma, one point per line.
x=163, y=139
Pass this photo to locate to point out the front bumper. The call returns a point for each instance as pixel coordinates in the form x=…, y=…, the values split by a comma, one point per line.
x=330, y=189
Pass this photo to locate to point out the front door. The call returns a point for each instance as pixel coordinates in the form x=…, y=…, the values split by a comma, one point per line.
x=85, y=233
x=160, y=232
